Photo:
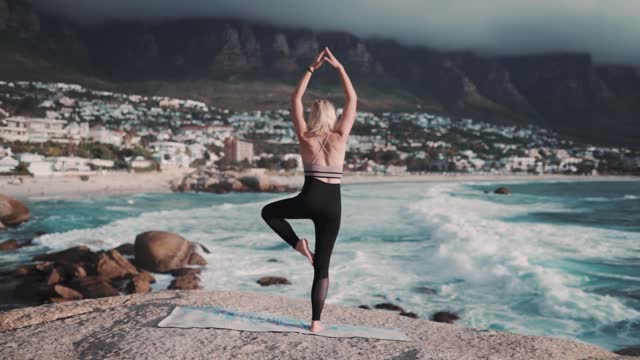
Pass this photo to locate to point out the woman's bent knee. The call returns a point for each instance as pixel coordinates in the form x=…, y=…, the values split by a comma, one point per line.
x=266, y=213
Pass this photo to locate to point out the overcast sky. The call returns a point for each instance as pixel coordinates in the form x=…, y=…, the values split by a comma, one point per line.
x=608, y=29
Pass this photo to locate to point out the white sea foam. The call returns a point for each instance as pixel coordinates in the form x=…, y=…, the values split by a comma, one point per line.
x=502, y=261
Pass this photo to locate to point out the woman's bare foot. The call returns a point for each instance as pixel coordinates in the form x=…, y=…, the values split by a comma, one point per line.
x=303, y=247
x=316, y=326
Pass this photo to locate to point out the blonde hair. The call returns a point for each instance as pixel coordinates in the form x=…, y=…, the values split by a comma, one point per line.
x=322, y=118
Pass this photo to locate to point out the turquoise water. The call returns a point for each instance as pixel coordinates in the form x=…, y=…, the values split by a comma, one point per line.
x=557, y=258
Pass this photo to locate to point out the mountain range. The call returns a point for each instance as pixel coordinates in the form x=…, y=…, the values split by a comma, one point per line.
x=246, y=65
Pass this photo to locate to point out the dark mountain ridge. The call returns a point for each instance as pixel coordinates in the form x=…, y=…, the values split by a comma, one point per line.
x=563, y=91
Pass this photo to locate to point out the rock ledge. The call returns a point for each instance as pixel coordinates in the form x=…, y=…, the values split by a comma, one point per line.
x=125, y=327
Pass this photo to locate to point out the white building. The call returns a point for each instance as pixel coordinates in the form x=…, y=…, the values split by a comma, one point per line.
x=170, y=154
x=7, y=164
x=101, y=134
x=69, y=164
x=38, y=165
x=519, y=163
x=31, y=129
x=140, y=162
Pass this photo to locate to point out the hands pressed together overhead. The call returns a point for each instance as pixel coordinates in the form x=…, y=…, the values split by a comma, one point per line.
x=325, y=55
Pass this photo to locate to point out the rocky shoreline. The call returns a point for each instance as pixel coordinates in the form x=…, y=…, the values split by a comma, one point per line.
x=219, y=182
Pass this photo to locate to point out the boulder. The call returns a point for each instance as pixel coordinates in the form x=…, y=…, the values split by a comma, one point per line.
x=139, y=284
x=445, y=317
x=185, y=271
x=24, y=270
x=12, y=211
x=10, y=244
x=161, y=251
x=389, y=306
x=147, y=276
x=365, y=307
x=409, y=314
x=111, y=264
x=186, y=282
x=125, y=249
x=74, y=270
x=56, y=275
x=67, y=293
x=425, y=290
x=196, y=259
x=273, y=280
x=502, y=190
x=94, y=287
x=256, y=183
x=31, y=288
x=78, y=254
x=629, y=351
x=44, y=267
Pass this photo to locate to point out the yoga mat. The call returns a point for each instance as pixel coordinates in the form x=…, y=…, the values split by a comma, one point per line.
x=222, y=318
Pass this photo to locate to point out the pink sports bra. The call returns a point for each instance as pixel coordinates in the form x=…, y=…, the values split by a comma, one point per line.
x=325, y=171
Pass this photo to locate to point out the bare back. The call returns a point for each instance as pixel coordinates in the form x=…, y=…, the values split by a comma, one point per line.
x=333, y=152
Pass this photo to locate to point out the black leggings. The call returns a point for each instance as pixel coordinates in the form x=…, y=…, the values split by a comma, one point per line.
x=320, y=202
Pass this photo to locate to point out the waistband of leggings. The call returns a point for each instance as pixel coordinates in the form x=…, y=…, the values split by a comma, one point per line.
x=311, y=179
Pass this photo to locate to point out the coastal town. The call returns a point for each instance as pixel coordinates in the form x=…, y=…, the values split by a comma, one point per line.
x=57, y=128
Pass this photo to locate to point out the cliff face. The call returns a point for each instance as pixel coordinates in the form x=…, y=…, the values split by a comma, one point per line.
x=565, y=91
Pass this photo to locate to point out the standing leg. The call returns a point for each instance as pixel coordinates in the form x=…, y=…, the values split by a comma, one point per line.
x=326, y=233
x=275, y=213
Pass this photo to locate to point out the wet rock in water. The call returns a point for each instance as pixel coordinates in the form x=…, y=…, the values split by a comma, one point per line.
x=31, y=288
x=76, y=255
x=161, y=251
x=409, y=314
x=186, y=271
x=56, y=275
x=424, y=290
x=629, y=351
x=67, y=293
x=44, y=267
x=257, y=183
x=365, y=307
x=389, y=306
x=273, y=280
x=125, y=249
x=196, y=259
x=10, y=244
x=147, y=276
x=502, y=190
x=186, y=282
x=111, y=265
x=24, y=270
x=74, y=271
x=12, y=212
x=139, y=284
x=94, y=287
x=445, y=317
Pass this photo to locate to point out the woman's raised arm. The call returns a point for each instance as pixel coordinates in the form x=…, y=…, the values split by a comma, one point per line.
x=348, y=116
x=297, y=109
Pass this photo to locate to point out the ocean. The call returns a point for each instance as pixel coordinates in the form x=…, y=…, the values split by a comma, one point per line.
x=555, y=258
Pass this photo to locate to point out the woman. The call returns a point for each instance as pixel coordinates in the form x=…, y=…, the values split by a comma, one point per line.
x=323, y=143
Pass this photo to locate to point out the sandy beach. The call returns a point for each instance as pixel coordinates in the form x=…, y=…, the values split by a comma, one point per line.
x=72, y=187
x=123, y=183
